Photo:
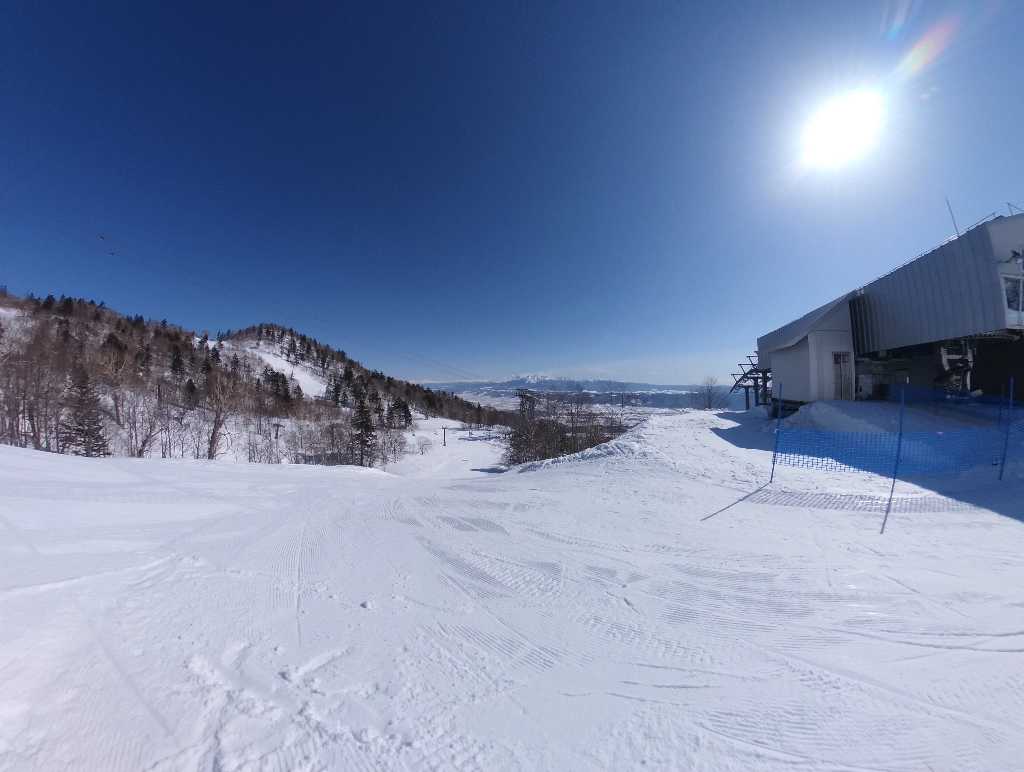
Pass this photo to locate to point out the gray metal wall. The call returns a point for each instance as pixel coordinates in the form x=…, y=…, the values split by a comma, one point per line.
x=952, y=292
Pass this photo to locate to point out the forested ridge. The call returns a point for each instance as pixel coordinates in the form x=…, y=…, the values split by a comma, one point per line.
x=78, y=377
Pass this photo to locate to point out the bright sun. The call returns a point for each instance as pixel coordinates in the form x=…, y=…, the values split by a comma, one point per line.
x=844, y=129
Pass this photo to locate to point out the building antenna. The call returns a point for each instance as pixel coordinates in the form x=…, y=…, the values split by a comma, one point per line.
x=952, y=217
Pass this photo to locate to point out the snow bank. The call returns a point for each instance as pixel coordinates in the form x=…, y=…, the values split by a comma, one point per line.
x=630, y=446
x=844, y=416
x=873, y=417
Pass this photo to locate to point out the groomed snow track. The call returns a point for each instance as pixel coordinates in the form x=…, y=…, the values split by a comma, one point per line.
x=189, y=615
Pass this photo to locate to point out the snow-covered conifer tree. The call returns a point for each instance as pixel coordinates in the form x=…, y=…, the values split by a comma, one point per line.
x=83, y=427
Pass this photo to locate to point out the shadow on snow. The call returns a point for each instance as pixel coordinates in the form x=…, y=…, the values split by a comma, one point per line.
x=960, y=467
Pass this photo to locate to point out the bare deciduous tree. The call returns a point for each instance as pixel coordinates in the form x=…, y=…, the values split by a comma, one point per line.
x=709, y=395
x=557, y=426
x=141, y=421
x=220, y=404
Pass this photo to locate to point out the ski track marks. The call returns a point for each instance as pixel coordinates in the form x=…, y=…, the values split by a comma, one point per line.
x=569, y=617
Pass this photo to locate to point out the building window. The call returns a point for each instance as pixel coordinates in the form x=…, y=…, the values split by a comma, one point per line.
x=1013, y=293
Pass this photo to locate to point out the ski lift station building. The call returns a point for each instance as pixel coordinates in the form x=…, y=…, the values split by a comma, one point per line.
x=949, y=319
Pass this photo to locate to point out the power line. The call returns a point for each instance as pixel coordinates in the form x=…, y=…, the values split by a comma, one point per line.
x=462, y=374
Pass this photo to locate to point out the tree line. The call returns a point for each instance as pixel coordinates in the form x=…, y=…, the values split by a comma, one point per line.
x=553, y=424
x=549, y=425
x=78, y=377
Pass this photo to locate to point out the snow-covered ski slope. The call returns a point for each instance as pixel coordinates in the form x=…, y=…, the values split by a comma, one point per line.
x=312, y=384
x=200, y=615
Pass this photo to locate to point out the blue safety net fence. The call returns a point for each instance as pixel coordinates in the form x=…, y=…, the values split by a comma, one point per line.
x=982, y=406
x=920, y=453
x=980, y=432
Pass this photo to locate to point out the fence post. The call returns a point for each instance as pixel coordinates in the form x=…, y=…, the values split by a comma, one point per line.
x=896, y=463
x=778, y=428
x=1006, y=435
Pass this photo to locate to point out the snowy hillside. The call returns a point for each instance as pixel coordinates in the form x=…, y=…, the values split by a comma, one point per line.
x=312, y=385
x=182, y=615
x=79, y=378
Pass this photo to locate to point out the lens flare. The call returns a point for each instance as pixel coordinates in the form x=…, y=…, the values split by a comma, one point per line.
x=926, y=50
x=849, y=126
x=897, y=15
x=844, y=129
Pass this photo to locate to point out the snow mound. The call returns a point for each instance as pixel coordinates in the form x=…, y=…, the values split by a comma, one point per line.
x=633, y=445
x=882, y=417
x=845, y=416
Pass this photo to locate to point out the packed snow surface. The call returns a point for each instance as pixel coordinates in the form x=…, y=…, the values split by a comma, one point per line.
x=170, y=615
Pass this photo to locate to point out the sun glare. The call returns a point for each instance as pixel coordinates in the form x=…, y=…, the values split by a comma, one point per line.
x=844, y=129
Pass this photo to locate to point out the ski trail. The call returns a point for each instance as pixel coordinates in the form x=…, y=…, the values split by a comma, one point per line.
x=298, y=584
x=24, y=589
x=108, y=652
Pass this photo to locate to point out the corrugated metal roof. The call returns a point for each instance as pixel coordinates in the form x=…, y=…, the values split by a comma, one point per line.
x=953, y=291
x=794, y=332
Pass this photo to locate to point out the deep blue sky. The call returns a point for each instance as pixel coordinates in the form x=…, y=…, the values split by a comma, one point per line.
x=451, y=190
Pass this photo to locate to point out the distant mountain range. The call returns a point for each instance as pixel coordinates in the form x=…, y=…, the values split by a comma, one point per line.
x=502, y=394
x=544, y=383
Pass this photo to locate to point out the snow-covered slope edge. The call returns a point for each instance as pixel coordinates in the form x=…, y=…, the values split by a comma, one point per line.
x=633, y=445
